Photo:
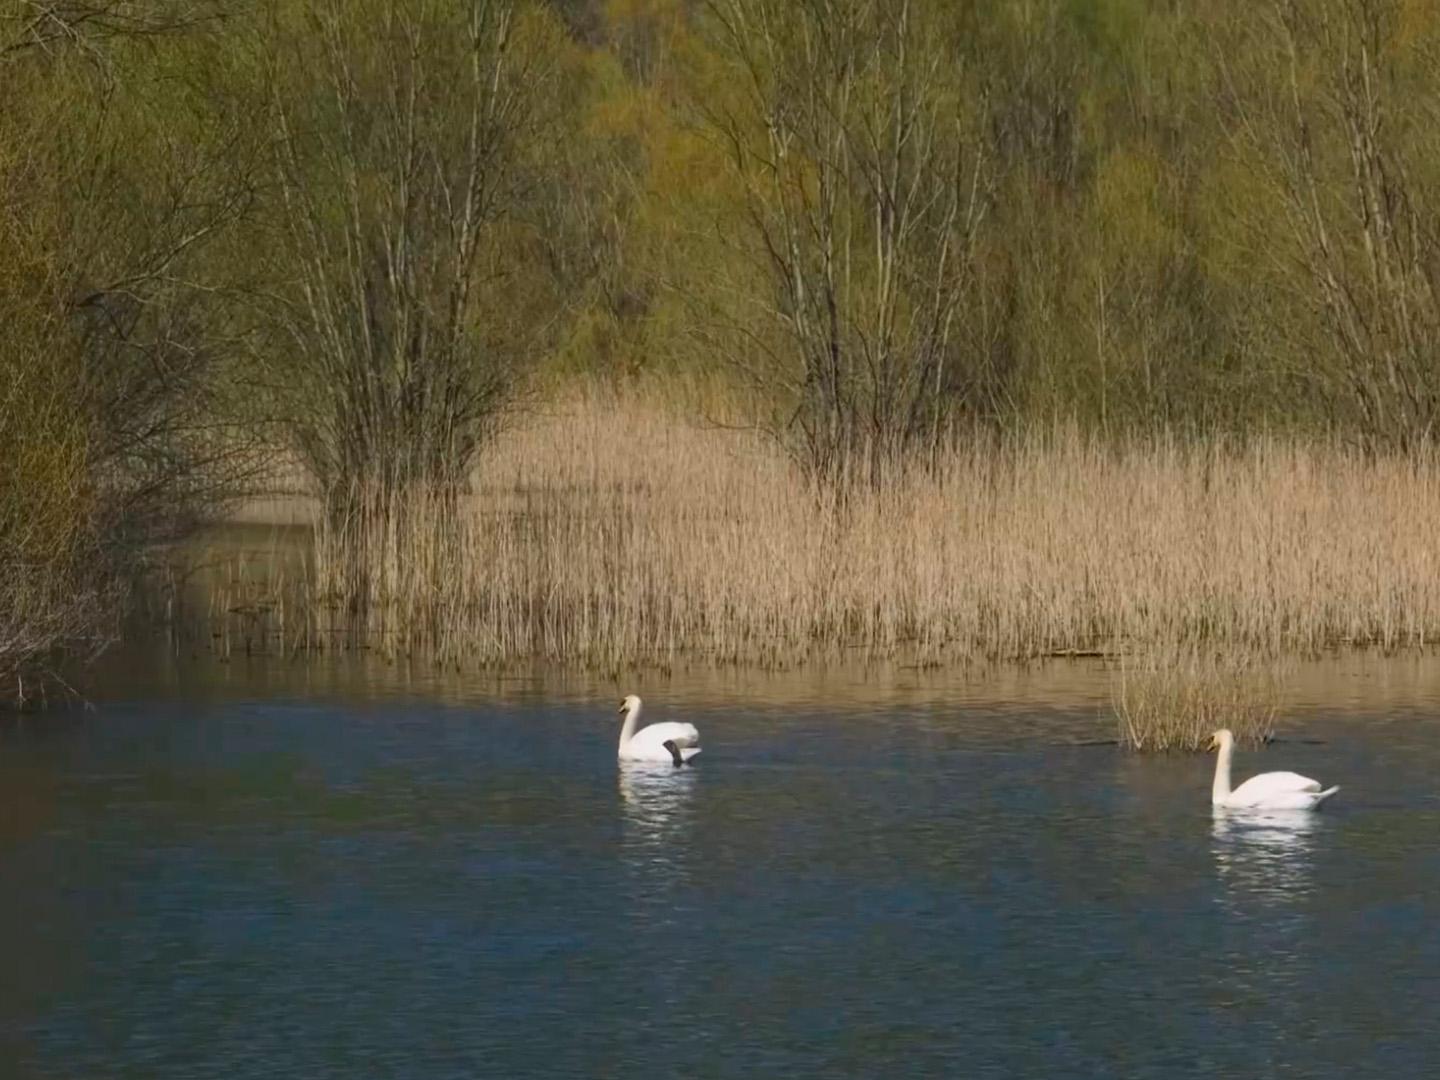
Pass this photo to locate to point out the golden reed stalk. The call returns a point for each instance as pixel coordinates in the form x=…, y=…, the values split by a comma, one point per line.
x=612, y=533
x=1174, y=695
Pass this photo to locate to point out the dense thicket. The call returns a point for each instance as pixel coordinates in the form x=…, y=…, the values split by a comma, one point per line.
x=887, y=217
x=117, y=175
x=357, y=233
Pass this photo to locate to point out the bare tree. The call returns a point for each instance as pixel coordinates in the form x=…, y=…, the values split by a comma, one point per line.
x=1350, y=138
x=407, y=138
x=88, y=26
x=863, y=191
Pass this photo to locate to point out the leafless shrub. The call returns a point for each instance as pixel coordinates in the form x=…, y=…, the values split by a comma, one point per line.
x=862, y=188
x=408, y=135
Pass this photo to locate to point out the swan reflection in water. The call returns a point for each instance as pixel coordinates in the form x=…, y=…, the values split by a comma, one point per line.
x=1265, y=862
x=658, y=815
x=1264, y=855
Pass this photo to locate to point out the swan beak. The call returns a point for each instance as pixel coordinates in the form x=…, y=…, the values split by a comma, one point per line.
x=621, y=710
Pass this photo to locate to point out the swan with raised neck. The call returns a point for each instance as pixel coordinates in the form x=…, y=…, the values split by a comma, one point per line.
x=669, y=742
x=1267, y=791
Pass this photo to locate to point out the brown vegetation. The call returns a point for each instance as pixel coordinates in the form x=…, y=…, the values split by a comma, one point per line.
x=614, y=532
x=1170, y=696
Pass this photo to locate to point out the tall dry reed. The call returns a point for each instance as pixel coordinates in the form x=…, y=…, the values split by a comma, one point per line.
x=612, y=532
x=1174, y=695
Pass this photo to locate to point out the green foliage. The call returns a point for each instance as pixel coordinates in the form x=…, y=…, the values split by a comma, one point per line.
x=356, y=231
x=1143, y=264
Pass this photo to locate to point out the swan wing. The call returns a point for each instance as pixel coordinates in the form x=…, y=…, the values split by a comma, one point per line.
x=1271, y=782
x=1270, y=785
x=1289, y=800
x=656, y=736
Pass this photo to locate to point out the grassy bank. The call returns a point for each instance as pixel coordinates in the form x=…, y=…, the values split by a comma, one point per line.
x=610, y=532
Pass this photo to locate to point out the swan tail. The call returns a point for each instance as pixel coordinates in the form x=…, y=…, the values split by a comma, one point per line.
x=679, y=755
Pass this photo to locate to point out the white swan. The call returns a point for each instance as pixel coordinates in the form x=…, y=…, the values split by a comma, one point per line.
x=1268, y=791
x=671, y=743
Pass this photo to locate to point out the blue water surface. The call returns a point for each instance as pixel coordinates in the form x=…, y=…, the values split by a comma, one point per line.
x=317, y=884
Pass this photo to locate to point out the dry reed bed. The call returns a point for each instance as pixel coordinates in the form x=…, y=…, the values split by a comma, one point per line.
x=611, y=532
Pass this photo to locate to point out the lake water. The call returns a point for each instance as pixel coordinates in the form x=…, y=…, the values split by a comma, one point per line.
x=343, y=869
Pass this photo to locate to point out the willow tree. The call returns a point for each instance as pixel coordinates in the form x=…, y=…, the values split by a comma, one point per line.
x=861, y=191
x=411, y=134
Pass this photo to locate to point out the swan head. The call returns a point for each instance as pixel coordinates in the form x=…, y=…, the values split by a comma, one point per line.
x=1220, y=740
x=629, y=705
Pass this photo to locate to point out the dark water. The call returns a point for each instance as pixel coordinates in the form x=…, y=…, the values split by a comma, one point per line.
x=274, y=872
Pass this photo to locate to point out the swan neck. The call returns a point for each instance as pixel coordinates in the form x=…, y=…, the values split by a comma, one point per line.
x=1220, y=791
x=627, y=730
